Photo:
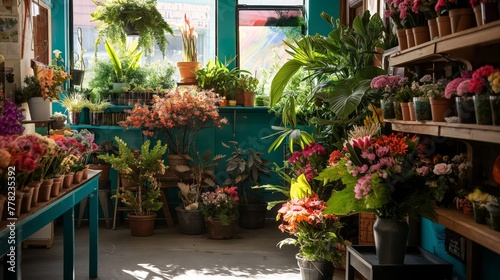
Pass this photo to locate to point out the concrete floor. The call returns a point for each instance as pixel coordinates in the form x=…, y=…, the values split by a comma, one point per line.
x=252, y=254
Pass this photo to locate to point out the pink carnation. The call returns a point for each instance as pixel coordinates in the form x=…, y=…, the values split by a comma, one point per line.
x=451, y=87
x=463, y=88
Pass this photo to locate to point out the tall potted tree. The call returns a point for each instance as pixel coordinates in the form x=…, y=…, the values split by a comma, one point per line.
x=244, y=169
x=141, y=167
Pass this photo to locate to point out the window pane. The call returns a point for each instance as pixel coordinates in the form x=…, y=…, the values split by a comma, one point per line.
x=201, y=14
x=261, y=35
x=271, y=3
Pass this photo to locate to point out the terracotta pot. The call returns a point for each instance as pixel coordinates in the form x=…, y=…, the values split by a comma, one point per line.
x=36, y=189
x=421, y=34
x=440, y=108
x=68, y=180
x=249, y=99
x=141, y=226
x=433, y=29
x=411, y=109
x=187, y=71
x=403, y=43
x=27, y=198
x=461, y=19
x=405, y=111
x=478, y=14
x=223, y=103
x=410, y=38
x=78, y=177
x=104, y=168
x=56, y=186
x=240, y=98
x=45, y=190
x=85, y=171
x=444, y=26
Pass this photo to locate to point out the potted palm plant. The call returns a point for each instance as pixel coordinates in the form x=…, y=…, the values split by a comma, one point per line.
x=122, y=66
x=96, y=108
x=244, y=169
x=141, y=167
x=200, y=175
x=138, y=17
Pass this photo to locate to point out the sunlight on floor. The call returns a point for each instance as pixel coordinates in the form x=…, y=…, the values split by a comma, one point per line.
x=151, y=272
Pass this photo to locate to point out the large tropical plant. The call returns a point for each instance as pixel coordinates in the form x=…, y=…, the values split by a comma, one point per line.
x=113, y=15
x=340, y=65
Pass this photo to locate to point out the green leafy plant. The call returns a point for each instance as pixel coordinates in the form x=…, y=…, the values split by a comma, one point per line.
x=98, y=104
x=132, y=57
x=244, y=167
x=106, y=147
x=201, y=173
x=113, y=15
x=247, y=83
x=141, y=167
x=218, y=77
x=74, y=101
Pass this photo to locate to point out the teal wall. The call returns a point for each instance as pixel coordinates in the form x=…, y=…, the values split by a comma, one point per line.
x=316, y=24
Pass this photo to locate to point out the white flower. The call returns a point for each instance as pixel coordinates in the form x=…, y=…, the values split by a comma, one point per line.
x=442, y=169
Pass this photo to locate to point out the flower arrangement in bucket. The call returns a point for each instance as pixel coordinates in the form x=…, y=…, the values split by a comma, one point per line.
x=386, y=86
x=486, y=97
x=315, y=232
x=220, y=209
x=385, y=175
x=181, y=114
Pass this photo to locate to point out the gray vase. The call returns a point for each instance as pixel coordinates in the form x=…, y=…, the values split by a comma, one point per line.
x=391, y=240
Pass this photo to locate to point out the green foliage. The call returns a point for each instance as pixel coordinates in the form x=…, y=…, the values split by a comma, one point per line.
x=244, y=167
x=30, y=89
x=113, y=15
x=159, y=74
x=247, y=83
x=140, y=166
x=405, y=94
x=217, y=76
x=132, y=57
x=201, y=173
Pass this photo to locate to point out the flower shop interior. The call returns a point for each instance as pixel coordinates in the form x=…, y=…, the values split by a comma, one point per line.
x=194, y=139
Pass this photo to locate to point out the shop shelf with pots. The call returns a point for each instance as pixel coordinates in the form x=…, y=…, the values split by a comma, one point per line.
x=471, y=46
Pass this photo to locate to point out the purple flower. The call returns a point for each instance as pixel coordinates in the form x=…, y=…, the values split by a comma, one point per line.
x=10, y=121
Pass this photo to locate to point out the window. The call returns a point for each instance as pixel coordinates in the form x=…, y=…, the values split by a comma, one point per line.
x=262, y=31
x=201, y=13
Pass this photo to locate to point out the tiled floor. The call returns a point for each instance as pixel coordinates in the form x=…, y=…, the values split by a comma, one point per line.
x=169, y=255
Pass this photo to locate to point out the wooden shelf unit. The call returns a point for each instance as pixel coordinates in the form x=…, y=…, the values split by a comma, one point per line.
x=484, y=133
x=471, y=45
x=467, y=227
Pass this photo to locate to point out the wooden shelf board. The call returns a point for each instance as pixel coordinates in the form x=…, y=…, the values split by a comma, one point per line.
x=462, y=44
x=466, y=226
x=483, y=133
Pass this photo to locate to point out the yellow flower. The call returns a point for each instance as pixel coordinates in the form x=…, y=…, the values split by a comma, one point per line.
x=494, y=80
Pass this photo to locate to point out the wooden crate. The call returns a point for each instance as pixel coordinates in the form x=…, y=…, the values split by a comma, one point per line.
x=366, y=221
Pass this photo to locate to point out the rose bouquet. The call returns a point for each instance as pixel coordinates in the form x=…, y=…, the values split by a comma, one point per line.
x=448, y=176
x=381, y=174
x=315, y=231
x=221, y=204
